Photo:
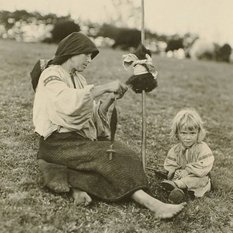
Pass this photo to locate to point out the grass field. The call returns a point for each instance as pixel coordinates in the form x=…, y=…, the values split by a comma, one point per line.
x=25, y=206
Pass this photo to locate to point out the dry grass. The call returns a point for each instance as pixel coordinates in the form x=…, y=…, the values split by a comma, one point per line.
x=27, y=207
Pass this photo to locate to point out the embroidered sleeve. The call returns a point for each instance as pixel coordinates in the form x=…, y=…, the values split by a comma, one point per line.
x=204, y=164
x=51, y=78
x=170, y=163
x=69, y=107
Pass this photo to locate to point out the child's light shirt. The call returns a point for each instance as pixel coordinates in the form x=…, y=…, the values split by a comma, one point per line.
x=197, y=160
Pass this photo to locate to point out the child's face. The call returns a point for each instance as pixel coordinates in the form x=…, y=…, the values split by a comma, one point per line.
x=187, y=137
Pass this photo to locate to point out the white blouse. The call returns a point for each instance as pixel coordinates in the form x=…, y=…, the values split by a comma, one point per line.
x=58, y=106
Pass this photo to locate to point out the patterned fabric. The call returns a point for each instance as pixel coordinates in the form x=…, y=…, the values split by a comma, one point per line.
x=140, y=66
x=88, y=166
x=51, y=78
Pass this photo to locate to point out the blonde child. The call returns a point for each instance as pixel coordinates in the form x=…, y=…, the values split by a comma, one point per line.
x=190, y=161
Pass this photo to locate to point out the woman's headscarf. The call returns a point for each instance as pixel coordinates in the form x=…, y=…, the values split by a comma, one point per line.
x=74, y=44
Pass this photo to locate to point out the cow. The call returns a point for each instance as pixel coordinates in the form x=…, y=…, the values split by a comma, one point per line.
x=203, y=49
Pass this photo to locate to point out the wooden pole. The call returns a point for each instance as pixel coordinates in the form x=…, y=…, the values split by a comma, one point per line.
x=143, y=95
x=142, y=21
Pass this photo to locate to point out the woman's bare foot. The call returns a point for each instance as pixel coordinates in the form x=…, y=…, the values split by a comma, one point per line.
x=81, y=197
x=161, y=210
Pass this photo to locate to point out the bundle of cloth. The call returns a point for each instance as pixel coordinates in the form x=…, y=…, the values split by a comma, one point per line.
x=145, y=75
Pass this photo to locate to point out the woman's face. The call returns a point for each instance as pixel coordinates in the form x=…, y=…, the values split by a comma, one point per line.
x=80, y=62
x=187, y=137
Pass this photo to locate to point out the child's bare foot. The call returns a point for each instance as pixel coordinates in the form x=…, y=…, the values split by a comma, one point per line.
x=164, y=210
x=81, y=197
x=161, y=210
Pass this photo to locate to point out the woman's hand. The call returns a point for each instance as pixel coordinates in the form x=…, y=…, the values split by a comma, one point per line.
x=115, y=87
x=114, y=96
x=118, y=89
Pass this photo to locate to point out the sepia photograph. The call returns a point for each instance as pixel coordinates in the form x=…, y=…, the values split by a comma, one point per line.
x=116, y=116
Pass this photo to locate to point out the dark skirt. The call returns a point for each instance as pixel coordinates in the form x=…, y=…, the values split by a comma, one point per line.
x=83, y=164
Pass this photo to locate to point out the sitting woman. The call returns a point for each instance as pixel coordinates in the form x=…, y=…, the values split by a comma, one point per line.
x=74, y=132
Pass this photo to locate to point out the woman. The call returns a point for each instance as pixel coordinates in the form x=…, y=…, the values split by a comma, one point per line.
x=74, y=132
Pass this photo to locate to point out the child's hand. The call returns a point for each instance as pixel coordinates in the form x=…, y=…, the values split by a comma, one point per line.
x=183, y=173
x=179, y=174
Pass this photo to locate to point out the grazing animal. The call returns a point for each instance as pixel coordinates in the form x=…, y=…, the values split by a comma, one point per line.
x=145, y=75
x=224, y=53
x=202, y=49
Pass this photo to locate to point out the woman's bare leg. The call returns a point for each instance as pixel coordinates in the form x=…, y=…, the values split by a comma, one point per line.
x=161, y=210
x=81, y=197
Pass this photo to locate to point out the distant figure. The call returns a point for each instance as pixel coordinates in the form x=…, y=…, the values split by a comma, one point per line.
x=74, y=133
x=190, y=161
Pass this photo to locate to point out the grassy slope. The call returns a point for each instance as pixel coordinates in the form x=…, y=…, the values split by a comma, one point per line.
x=27, y=207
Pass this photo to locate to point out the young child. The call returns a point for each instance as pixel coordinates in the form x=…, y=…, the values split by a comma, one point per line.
x=190, y=161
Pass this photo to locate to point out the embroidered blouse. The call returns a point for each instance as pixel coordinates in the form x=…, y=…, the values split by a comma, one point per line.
x=197, y=160
x=65, y=105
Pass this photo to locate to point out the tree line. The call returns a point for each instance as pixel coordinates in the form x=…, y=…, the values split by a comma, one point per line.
x=124, y=37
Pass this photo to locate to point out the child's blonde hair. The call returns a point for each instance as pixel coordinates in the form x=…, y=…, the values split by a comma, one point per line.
x=189, y=119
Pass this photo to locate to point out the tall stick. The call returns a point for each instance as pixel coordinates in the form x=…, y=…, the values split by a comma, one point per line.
x=143, y=96
x=142, y=21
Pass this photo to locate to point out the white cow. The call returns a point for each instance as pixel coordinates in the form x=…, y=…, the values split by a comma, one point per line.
x=201, y=48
